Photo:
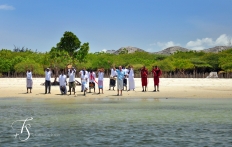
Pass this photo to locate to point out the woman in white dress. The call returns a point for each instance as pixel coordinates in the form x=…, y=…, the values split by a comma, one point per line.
x=100, y=79
x=131, y=78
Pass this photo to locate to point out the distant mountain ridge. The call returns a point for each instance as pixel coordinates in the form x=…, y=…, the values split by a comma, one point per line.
x=129, y=50
x=167, y=51
x=217, y=49
x=172, y=50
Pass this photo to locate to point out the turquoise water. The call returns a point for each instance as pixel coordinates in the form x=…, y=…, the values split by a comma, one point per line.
x=117, y=122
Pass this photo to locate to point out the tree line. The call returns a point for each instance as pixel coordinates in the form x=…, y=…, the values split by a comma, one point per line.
x=70, y=51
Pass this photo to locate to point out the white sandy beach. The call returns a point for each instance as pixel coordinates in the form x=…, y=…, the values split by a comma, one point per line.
x=169, y=88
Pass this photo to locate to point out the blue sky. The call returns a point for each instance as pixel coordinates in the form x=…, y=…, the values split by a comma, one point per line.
x=151, y=25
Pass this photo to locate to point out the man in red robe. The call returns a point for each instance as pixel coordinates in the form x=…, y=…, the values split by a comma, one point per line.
x=156, y=72
x=144, y=75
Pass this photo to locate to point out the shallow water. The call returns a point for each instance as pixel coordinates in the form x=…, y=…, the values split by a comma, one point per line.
x=117, y=122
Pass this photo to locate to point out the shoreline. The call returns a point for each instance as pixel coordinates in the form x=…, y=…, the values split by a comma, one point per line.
x=169, y=88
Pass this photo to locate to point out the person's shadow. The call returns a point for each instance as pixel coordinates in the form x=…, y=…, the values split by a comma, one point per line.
x=24, y=93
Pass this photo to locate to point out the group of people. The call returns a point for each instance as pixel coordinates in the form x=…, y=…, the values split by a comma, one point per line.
x=118, y=76
x=156, y=73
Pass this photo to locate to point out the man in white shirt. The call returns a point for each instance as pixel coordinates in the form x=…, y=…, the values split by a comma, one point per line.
x=84, y=82
x=125, y=78
x=71, y=74
x=29, y=80
x=48, y=74
x=113, y=74
x=63, y=82
x=81, y=74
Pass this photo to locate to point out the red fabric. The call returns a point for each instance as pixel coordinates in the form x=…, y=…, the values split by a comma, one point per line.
x=144, y=81
x=156, y=81
x=91, y=77
x=144, y=73
x=156, y=73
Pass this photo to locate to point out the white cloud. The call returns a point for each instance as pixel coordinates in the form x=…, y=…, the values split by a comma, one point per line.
x=104, y=50
x=6, y=7
x=222, y=40
x=197, y=48
x=199, y=44
x=164, y=45
x=149, y=49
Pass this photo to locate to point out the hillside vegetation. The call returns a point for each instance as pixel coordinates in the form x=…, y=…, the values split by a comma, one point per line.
x=13, y=64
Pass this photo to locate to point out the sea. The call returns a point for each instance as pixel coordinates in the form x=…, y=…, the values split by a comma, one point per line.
x=106, y=122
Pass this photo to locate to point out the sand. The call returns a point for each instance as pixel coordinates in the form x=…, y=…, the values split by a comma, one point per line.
x=169, y=88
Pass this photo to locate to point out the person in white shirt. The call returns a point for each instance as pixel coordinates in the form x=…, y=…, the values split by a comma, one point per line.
x=63, y=83
x=100, y=79
x=131, y=78
x=125, y=78
x=81, y=73
x=29, y=80
x=84, y=82
x=112, y=78
x=92, y=80
x=48, y=74
x=86, y=73
x=72, y=85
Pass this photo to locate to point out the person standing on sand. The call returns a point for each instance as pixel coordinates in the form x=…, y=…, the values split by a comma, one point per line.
x=120, y=77
x=29, y=80
x=112, y=78
x=100, y=79
x=131, y=78
x=63, y=83
x=81, y=74
x=125, y=78
x=72, y=84
x=48, y=74
x=92, y=77
x=144, y=75
x=84, y=82
x=156, y=72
